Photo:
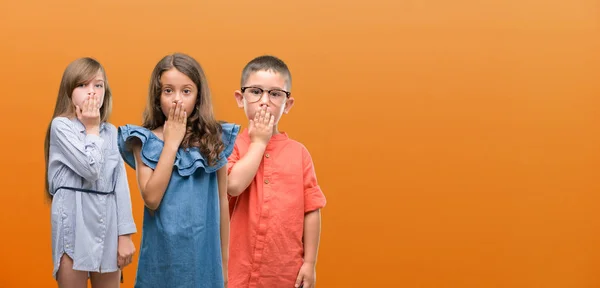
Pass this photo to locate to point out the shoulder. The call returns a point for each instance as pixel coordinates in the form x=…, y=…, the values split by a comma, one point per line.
x=158, y=133
x=133, y=138
x=242, y=139
x=61, y=123
x=128, y=131
x=298, y=148
x=229, y=132
x=110, y=128
x=295, y=145
x=62, y=127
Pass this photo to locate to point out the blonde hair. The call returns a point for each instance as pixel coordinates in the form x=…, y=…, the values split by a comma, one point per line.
x=78, y=72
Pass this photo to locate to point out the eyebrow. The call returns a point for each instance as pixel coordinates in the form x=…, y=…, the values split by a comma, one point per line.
x=182, y=86
x=261, y=87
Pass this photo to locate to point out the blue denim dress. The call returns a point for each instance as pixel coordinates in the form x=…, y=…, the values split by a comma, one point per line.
x=181, y=243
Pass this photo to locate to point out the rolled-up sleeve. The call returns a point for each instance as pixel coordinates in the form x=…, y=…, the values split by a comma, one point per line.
x=313, y=196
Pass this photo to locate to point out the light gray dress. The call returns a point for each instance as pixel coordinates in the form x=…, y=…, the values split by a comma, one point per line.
x=86, y=225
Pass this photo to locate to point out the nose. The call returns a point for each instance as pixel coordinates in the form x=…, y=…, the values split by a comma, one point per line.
x=264, y=99
x=91, y=90
x=178, y=96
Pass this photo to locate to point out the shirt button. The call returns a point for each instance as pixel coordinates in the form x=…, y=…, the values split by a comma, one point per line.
x=67, y=246
x=101, y=220
x=266, y=181
x=267, y=155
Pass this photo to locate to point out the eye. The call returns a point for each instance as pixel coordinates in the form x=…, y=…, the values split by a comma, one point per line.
x=168, y=90
x=187, y=91
x=256, y=91
x=276, y=93
x=99, y=85
x=81, y=85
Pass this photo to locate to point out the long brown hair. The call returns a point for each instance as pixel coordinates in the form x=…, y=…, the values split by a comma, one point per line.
x=78, y=72
x=203, y=131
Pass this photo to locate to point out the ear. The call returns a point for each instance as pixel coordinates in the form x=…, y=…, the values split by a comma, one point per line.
x=288, y=105
x=239, y=98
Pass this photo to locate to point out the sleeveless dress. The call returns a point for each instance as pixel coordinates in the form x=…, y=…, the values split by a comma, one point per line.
x=181, y=243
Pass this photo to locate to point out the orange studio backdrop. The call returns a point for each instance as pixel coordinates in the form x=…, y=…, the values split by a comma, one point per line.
x=457, y=142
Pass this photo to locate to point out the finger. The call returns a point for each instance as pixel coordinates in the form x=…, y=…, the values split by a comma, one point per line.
x=272, y=121
x=256, y=115
x=261, y=118
x=93, y=104
x=299, y=280
x=96, y=102
x=267, y=118
x=78, y=112
x=84, y=105
x=176, y=112
x=181, y=112
x=251, y=124
x=172, y=111
x=88, y=102
x=120, y=262
x=184, y=118
x=96, y=105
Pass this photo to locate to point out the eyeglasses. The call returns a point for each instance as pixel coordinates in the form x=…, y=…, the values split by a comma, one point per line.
x=254, y=94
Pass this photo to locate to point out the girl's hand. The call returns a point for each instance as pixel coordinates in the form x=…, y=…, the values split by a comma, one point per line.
x=89, y=114
x=125, y=251
x=175, y=126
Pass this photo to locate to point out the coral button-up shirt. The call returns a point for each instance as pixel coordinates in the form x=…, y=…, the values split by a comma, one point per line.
x=267, y=219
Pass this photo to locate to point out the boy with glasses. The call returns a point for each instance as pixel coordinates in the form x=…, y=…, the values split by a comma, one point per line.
x=275, y=199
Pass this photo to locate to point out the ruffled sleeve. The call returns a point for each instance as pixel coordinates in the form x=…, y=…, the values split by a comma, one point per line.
x=151, y=145
x=187, y=161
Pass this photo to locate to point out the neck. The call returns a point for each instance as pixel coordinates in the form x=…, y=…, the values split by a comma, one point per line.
x=275, y=130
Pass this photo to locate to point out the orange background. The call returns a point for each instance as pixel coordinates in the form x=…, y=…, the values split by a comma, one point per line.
x=457, y=142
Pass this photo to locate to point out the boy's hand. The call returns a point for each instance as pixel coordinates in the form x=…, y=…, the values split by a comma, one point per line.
x=175, y=126
x=89, y=114
x=261, y=128
x=307, y=276
x=125, y=249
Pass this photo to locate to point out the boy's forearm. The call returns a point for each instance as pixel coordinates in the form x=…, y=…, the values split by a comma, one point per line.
x=312, y=234
x=244, y=170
